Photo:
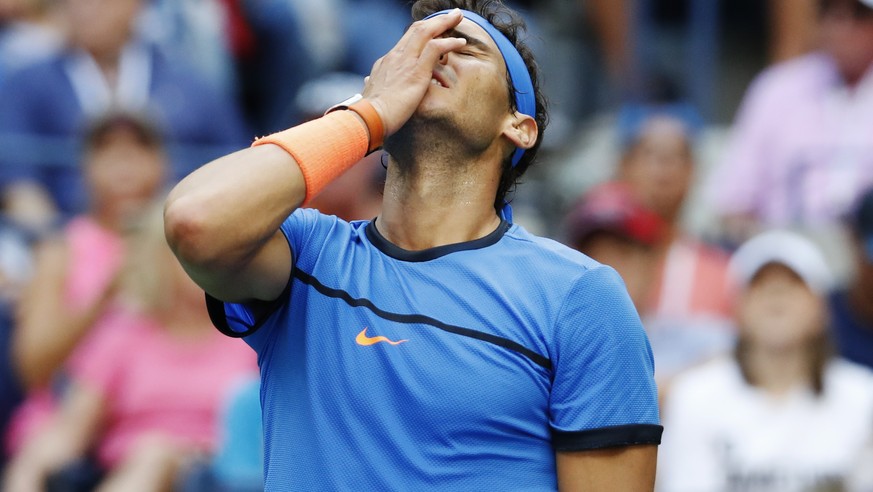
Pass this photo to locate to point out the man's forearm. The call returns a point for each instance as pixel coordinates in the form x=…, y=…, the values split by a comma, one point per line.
x=220, y=220
x=222, y=213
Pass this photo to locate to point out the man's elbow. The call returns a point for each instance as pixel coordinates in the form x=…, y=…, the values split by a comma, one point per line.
x=188, y=232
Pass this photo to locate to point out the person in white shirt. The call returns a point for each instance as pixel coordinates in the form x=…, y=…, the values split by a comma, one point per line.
x=782, y=413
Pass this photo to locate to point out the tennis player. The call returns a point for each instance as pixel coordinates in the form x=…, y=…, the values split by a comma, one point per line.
x=438, y=346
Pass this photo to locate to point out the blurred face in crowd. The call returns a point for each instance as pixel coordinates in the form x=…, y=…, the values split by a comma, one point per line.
x=123, y=172
x=659, y=167
x=846, y=31
x=101, y=27
x=631, y=259
x=778, y=310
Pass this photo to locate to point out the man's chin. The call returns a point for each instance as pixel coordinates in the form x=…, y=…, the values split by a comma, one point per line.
x=426, y=126
x=431, y=107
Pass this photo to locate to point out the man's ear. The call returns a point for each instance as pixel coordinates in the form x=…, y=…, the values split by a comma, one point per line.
x=521, y=130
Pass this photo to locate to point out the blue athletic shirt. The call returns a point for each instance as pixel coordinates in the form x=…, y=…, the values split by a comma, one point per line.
x=462, y=367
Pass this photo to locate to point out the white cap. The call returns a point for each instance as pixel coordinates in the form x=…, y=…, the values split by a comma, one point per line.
x=868, y=3
x=786, y=248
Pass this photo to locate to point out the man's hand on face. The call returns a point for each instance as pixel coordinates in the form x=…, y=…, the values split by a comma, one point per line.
x=400, y=79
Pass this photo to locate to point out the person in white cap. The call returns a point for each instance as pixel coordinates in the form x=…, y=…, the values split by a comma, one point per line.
x=780, y=413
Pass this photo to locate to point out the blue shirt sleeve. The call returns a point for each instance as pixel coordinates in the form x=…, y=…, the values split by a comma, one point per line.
x=247, y=319
x=604, y=392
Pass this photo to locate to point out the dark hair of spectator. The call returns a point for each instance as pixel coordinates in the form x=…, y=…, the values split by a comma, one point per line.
x=146, y=133
x=819, y=348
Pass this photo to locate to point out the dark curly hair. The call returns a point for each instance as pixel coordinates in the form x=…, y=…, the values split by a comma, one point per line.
x=512, y=26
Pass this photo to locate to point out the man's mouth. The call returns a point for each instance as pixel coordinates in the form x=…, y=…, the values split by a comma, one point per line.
x=437, y=80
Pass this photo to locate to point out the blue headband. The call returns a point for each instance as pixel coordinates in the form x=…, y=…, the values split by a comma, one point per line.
x=522, y=85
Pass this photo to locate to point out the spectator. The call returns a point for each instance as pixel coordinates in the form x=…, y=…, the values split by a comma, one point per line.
x=15, y=270
x=237, y=464
x=147, y=399
x=30, y=31
x=202, y=34
x=852, y=307
x=688, y=306
x=792, y=28
x=861, y=479
x=274, y=64
x=105, y=65
x=658, y=165
x=781, y=414
x=611, y=226
x=371, y=28
x=239, y=461
x=800, y=153
x=321, y=29
x=75, y=274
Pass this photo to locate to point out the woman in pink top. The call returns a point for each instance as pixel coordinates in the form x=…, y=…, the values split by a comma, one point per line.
x=124, y=167
x=658, y=165
x=688, y=306
x=147, y=398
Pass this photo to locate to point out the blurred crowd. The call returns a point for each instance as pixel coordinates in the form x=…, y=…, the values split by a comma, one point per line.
x=742, y=229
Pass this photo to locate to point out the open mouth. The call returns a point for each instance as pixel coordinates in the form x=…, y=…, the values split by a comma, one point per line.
x=437, y=80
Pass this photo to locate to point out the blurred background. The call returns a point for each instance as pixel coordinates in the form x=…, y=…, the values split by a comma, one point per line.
x=679, y=131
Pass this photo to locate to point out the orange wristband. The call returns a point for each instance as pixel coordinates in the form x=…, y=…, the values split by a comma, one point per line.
x=368, y=113
x=373, y=121
x=323, y=148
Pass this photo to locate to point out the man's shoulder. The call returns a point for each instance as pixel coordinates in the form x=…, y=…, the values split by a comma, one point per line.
x=312, y=219
x=315, y=216
x=557, y=268
x=547, y=250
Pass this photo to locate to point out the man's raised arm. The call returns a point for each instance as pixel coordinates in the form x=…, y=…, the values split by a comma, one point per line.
x=222, y=221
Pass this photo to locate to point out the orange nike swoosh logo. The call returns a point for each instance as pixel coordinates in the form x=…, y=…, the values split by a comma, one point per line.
x=363, y=339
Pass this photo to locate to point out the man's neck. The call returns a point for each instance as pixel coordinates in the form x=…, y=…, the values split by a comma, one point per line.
x=430, y=203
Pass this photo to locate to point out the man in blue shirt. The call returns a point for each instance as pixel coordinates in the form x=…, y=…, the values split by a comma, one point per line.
x=438, y=346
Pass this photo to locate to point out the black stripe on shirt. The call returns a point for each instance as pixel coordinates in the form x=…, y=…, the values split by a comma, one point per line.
x=421, y=319
x=607, y=437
